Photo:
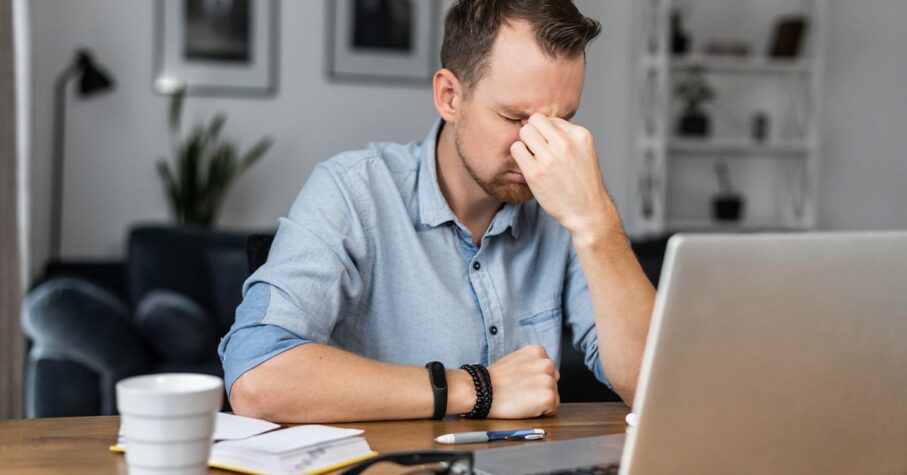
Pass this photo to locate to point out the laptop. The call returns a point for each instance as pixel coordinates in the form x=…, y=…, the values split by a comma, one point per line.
x=767, y=353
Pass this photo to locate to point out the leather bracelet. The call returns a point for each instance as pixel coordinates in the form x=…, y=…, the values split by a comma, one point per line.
x=484, y=393
x=486, y=378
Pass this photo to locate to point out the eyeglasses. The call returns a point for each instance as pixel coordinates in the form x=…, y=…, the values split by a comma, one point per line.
x=453, y=462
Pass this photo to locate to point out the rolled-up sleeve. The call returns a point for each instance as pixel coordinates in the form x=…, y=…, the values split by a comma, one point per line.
x=310, y=281
x=581, y=317
x=251, y=342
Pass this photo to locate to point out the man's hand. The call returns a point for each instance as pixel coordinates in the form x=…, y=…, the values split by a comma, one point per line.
x=560, y=165
x=525, y=384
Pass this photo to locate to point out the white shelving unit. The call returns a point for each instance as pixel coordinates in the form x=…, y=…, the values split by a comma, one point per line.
x=674, y=174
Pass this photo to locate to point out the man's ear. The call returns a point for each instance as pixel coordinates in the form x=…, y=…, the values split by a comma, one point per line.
x=448, y=95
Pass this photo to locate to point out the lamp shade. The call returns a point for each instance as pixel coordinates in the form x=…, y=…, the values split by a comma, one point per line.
x=92, y=79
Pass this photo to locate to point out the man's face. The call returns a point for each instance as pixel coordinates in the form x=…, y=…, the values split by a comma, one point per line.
x=520, y=80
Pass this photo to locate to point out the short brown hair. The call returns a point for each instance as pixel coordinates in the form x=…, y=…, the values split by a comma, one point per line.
x=472, y=25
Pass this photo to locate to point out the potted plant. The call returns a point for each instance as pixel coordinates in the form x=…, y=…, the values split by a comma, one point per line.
x=694, y=90
x=727, y=205
x=204, y=166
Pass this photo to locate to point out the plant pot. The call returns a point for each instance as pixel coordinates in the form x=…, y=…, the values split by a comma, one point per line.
x=694, y=123
x=727, y=208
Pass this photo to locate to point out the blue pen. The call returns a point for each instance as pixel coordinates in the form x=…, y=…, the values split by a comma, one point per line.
x=482, y=436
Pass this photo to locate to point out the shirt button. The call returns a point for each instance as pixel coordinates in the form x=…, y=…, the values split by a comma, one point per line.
x=450, y=223
x=493, y=330
x=476, y=265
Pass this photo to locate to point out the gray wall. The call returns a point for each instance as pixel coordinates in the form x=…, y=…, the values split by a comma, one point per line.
x=863, y=179
x=114, y=141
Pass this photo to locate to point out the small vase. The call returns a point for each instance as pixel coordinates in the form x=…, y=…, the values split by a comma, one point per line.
x=694, y=123
x=727, y=207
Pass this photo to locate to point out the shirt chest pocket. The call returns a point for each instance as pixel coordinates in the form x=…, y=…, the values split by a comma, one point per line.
x=543, y=328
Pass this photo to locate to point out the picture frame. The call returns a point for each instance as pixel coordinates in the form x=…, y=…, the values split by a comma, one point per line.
x=392, y=41
x=208, y=47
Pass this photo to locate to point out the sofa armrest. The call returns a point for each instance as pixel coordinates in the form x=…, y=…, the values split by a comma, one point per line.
x=60, y=387
x=79, y=321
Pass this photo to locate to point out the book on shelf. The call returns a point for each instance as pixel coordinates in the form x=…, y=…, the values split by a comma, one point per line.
x=247, y=445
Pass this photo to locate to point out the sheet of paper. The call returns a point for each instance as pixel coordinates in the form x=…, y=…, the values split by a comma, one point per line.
x=232, y=427
x=285, y=440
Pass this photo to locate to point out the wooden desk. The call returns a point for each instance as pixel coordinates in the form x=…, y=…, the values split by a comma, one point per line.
x=80, y=444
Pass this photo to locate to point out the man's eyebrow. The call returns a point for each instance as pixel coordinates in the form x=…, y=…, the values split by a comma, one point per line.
x=512, y=112
x=517, y=113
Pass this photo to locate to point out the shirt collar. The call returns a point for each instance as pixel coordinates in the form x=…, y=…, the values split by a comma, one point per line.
x=433, y=207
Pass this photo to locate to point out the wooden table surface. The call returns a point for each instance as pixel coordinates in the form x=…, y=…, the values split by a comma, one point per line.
x=80, y=444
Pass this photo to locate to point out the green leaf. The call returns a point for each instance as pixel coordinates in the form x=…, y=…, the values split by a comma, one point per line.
x=255, y=153
x=214, y=129
x=170, y=186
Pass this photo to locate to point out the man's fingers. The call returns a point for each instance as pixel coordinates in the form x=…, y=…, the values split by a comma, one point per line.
x=523, y=157
x=533, y=140
x=562, y=124
x=547, y=127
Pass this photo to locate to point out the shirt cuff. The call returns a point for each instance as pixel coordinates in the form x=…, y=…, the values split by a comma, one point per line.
x=252, y=346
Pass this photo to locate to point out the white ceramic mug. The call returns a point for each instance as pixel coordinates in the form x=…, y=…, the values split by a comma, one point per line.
x=168, y=420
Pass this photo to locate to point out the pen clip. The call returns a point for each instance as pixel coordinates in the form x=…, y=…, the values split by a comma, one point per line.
x=526, y=437
x=526, y=434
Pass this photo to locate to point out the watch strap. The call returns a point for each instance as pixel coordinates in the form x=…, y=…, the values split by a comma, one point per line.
x=438, y=377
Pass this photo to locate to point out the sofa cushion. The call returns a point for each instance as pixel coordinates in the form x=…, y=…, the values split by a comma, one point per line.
x=174, y=258
x=176, y=327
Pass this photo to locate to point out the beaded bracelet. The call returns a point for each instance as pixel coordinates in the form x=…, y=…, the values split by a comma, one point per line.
x=484, y=394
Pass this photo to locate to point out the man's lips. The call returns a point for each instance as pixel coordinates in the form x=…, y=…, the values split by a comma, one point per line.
x=517, y=176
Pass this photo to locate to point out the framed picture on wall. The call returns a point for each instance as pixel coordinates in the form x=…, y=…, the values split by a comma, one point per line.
x=216, y=47
x=382, y=40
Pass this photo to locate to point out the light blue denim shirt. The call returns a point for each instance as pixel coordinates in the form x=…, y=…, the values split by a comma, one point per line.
x=372, y=260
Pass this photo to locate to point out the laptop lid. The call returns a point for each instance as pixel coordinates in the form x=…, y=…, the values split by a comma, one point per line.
x=776, y=354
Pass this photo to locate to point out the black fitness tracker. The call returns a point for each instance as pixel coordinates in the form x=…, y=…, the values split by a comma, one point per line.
x=438, y=377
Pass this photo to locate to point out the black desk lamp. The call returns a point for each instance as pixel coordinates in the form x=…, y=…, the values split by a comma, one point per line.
x=92, y=80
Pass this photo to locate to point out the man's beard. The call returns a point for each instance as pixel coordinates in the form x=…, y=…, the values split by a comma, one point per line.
x=497, y=188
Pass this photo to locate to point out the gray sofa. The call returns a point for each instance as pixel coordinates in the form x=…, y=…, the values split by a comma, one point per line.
x=164, y=309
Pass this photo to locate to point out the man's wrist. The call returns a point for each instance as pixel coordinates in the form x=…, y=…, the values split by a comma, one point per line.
x=461, y=392
x=605, y=232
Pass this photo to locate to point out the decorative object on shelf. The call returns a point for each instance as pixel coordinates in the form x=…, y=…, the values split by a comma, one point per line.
x=216, y=48
x=734, y=48
x=787, y=39
x=92, y=80
x=204, y=168
x=759, y=126
x=386, y=40
x=680, y=38
x=648, y=186
x=727, y=205
x=694, y=90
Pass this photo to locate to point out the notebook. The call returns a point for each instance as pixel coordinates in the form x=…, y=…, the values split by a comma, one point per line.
x=247, y=445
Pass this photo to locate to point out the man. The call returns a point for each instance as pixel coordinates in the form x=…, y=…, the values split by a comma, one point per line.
x=398, y=255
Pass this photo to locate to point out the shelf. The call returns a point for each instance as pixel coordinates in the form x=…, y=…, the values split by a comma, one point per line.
x=738, y=147
x=706, y=225
x=744, y=65
x=775, y=170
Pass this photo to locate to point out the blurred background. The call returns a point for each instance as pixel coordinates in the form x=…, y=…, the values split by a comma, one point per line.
x=143, y=142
